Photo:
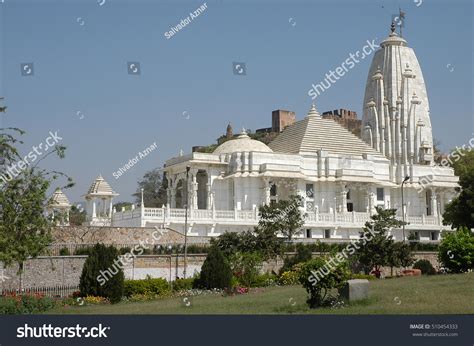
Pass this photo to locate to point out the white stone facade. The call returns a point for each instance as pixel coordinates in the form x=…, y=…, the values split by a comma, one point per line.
x=341, y=177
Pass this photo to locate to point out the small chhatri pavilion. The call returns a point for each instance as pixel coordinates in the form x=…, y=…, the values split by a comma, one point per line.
x=58, y=205
x=99, y=203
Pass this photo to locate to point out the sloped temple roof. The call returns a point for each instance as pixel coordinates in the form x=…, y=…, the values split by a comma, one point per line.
x=314, y=133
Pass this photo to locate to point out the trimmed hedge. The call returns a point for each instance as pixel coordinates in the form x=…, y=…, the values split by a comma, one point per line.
x=148, y=286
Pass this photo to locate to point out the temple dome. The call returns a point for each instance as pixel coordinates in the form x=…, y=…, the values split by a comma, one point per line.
x=100, y=188
x=59, y=200
x=242, y=143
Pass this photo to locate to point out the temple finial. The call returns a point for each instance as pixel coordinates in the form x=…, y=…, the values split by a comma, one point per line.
x=392, y=27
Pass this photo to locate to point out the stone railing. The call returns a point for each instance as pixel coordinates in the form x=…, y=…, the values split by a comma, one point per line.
x=355, y=219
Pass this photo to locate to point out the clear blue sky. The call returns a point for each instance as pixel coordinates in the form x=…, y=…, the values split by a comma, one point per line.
x=83, y=68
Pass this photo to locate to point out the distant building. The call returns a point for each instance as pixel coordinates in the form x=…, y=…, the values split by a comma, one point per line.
x=346, y=118
x=280, y=119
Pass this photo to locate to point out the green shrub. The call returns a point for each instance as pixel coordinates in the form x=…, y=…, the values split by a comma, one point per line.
x=81, y=251
x=456, y=250
x=25, y=304
x=215, y=271
x=124, y=250
x=363, y=276
x=418, y=246
x=94, y=282
x=64, y=251
x=197, y=249
x=320, y=287
x=183, y=284
x=303, y=254
x=148, y=286
x=425, y=267
x=289, y=278
x=246, y=267
x=265, y=280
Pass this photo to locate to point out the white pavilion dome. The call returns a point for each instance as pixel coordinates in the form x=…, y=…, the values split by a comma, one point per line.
x=100, y=188
x=59, y=200
x=242, y=143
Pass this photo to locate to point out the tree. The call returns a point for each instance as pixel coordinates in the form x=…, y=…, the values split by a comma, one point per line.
x=215, y=271
x=460, y=211
x=399, y=255
x=375, y=247
x=127, y=205
x=154, y=187
x=456, y=250
x=283, y=217
x=77, y=216
x=264, y=242
x=102, y=259
x=267, y=243
x=25, y=230
x=438, y=155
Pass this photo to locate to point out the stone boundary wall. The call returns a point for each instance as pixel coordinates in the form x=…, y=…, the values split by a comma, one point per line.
x=111, y=235
x=66, y=270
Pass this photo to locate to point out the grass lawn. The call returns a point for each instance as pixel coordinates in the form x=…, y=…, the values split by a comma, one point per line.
x=440, y=294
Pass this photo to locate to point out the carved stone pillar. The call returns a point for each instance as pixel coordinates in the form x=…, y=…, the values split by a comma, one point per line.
x=434, y=203
x=209, y=197
x=194, y=189
x=343, y=199
x=168, y=196
x=266, y=192
x=372, y=203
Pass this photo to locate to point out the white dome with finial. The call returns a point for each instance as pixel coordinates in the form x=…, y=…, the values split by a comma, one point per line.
x=59, y=200
x=313, y=112
x=100, y=188
x=242, y=143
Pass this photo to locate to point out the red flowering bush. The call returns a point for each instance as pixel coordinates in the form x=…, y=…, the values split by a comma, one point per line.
x=14, y=304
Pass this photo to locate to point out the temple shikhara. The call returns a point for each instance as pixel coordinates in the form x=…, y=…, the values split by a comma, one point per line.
x=342, y=177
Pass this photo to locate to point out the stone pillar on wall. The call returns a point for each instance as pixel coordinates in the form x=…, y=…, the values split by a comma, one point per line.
x=94, y=212
x=209, y=197
x=343, y=198
x=194, y=190
x=370, y=205
x=266, y=192
x=434, y=203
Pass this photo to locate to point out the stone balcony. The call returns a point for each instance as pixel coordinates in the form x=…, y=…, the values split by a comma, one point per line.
x=250, y=218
